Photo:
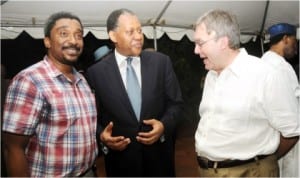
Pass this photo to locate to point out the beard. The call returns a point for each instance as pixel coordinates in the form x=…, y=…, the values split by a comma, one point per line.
x=68, y=61
x=71, y=60
x=289, y=53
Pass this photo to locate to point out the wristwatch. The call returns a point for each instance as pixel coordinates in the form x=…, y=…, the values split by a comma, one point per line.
x=104, y=148
x=162, y=138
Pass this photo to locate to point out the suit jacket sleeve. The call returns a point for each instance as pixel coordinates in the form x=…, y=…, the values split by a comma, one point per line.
x=91, y=81
x=173, y=98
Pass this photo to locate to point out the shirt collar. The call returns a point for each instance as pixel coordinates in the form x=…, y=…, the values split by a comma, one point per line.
x=121, y=60
x=54, y=72
x=276, y=58
x=236, y=67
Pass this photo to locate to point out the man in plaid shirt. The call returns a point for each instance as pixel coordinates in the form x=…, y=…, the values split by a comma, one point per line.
x=49, y=119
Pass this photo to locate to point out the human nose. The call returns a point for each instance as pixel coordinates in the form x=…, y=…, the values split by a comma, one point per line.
x=74, y=38
x=197, y=49
x=138, y=35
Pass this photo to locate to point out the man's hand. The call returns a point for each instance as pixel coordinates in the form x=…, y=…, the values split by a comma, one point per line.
x=152, y=136
x=285, y=145
x=115, y=143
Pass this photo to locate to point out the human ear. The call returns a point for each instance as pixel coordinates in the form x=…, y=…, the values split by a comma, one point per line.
x=47, y=42
x=285, y=39
x=224, y=42
x=112, y=36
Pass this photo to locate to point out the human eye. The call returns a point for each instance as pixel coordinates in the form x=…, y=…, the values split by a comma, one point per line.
x=78, y=36
x=129, y=32
x=199, y=43
x=140, y=31
x=63, y=34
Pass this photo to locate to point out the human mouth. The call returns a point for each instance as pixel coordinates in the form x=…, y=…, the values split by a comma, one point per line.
x=203, y=58
x=138, y=45
x=205, y=61
x=72, y=50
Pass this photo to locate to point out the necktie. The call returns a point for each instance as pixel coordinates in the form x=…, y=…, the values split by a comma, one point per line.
x=133, y=88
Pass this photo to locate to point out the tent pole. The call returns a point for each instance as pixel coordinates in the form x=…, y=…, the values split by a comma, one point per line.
x=162, y=12
x=3, y=2
x=262, y=45
x=157, y=22
x=154, y=37
x=262, y=36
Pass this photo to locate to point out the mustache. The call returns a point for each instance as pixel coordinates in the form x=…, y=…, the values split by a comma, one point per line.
x=71, y=47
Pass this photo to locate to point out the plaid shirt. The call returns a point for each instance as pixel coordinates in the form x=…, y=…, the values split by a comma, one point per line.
x=59, y=115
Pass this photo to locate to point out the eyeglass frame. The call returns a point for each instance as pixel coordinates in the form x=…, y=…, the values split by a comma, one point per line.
x=200, y=44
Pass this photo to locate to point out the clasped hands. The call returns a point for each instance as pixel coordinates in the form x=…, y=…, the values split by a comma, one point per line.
x=120, y=142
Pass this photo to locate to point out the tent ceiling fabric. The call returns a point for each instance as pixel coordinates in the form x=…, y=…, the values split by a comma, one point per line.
x=177, y=19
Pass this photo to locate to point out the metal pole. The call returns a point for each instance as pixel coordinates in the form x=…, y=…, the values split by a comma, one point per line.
x=154, y=37
x=262, y=45
x=157, y=23
x=263, y=26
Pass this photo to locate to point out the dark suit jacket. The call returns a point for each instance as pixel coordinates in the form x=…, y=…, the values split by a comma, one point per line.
x=161, y=99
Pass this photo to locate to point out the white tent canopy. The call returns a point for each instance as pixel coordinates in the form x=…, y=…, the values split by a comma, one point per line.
x=176, y=18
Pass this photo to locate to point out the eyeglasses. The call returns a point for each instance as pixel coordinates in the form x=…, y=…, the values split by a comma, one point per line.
x=200, y=44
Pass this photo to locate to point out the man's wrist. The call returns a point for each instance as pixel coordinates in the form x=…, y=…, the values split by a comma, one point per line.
x=104, y=148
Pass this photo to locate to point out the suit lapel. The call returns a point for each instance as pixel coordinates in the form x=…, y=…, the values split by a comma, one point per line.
x=117, y=84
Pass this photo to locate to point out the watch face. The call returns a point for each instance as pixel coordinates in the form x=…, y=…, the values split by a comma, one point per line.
x=104, y=148
x=162, y=138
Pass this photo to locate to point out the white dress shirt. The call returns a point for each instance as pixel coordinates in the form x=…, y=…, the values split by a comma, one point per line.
x=243, y=110
x=122, y=64
x=278, y=62
x=289, y=164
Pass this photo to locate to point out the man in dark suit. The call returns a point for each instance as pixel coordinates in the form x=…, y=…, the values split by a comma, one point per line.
x=137, y=138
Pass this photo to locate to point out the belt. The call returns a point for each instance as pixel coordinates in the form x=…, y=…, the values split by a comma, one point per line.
x=206, y=163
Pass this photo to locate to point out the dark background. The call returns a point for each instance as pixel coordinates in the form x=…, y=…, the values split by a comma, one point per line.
x=19, y=53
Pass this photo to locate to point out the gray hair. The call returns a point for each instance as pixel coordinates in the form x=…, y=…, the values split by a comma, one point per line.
x=113, y=19
x=55, y=17
x=223, y=23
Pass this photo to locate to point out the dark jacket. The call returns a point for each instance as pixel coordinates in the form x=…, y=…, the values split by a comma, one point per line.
x=161, y=99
